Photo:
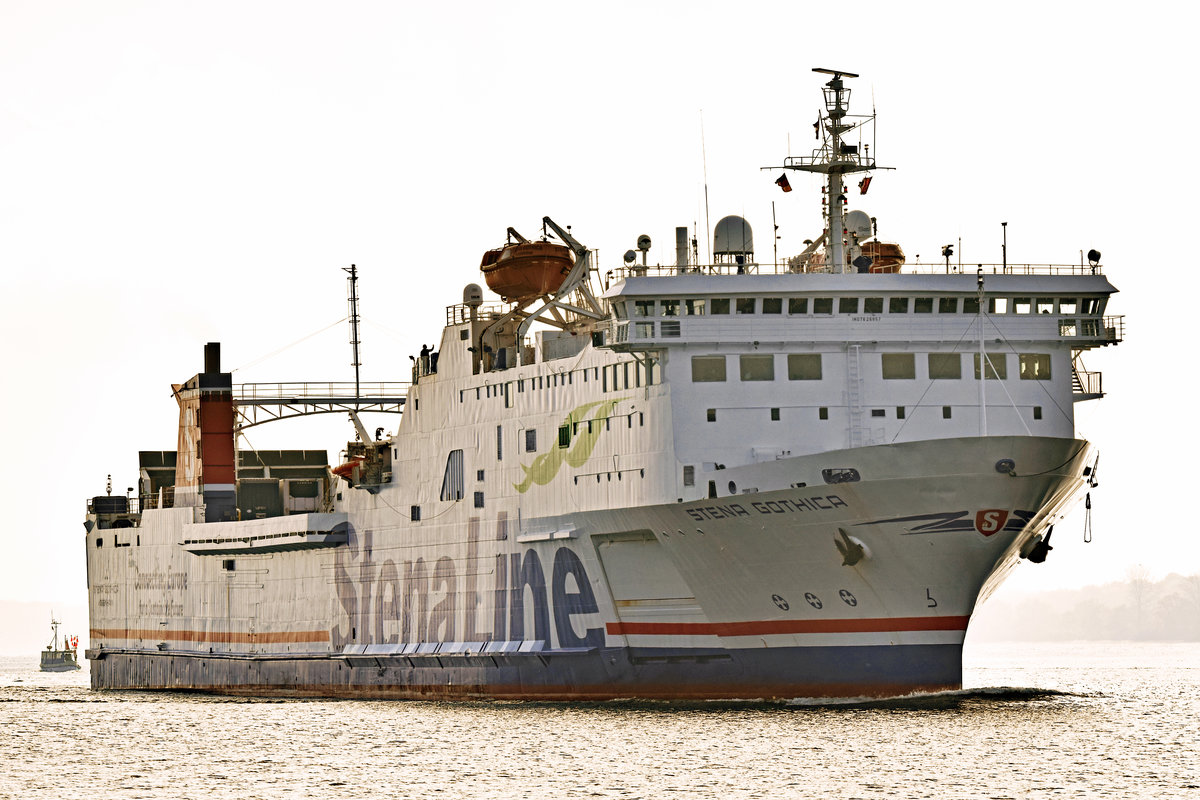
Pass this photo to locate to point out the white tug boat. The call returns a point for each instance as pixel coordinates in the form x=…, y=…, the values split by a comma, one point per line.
x=732, y=480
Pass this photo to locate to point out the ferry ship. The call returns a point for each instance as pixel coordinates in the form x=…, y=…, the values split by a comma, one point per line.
x=699, y=481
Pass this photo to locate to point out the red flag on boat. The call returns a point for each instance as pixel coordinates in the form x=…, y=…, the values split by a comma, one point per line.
x=864, y=184
x=782, y=183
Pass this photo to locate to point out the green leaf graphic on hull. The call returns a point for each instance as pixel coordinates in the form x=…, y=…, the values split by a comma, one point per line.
x=546, y=466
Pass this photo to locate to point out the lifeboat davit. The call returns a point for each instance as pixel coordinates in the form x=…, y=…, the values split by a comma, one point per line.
x=526, y=269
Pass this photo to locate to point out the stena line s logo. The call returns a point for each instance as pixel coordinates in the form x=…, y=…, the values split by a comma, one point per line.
x=990, y=520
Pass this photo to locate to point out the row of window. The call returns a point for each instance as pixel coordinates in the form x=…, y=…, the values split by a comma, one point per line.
x=613, y=378
x=859, y=305
x=893, y=366
x=901, y=413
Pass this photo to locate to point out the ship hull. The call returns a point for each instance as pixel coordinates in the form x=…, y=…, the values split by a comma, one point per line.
x=749, y=595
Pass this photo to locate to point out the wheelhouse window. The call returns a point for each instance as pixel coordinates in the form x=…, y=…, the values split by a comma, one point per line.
x=822, y=305
x=1034, y=366
x=897, y=305
x=947, y=305
x=945, y=366
x=804, y=366
x=797, y=305
x=719, y=305
x=873, y=305
x=708, y=369
x=643, y=308
x=1045, y=305
x=847, y=305
x=693, y=308
x=971, y=305
x=772, y=305
x=997, y=305
x=669, y=308
x=746, y=305
x=1022, y=305
x=997, y=366
x=923, y=305
x=1068, y=305
x=757, y=367
x=899, y=366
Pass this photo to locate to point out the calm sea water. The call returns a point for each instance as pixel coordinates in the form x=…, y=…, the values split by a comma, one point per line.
x=1110, y=719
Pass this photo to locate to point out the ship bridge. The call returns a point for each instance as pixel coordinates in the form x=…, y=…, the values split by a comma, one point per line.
x=259, y=403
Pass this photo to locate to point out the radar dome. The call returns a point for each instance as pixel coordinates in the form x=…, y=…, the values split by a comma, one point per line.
x=858, y=224
x=472, y=295
x=733, y=237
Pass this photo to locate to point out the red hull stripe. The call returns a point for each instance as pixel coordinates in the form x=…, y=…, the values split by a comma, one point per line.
x=766, y=627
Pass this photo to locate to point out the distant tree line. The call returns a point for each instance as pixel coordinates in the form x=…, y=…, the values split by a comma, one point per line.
x=1134, y=609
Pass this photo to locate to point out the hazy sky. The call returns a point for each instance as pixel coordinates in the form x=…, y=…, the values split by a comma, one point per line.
x=176, y=173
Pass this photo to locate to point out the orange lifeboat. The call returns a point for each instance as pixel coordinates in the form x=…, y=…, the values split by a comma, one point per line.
x=526, y=269
x=885, y=256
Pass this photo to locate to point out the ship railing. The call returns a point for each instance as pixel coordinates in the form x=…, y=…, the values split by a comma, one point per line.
x=460, y=313
x=914, y=268
x=308, y=391
x=1088, y=383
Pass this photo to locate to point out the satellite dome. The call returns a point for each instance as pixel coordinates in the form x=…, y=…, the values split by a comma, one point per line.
x=858, y=223
x=733, y=237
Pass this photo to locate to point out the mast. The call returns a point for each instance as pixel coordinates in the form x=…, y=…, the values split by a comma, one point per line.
x=354, y=342
x=835, y=159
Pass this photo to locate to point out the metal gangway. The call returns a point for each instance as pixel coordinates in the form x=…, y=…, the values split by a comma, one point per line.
x=259, y=403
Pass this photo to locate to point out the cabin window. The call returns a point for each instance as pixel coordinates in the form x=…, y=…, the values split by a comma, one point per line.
x=774, y=415
x=1090, y=305
x=1045, y=305
x=719, y=305
x=228, y=564
x=745, y=305
x=1068, y=305
x=530, y=440
x=847, y=305
x=619, y=309
x=708, y=369
x=946, y=412
x=997, y=305
x=898, y=305
x=669, y=328
x=804, y=366
x=772, y=305
x=693, y=308
x=564, y=435
x=1037, y=412
x=452, y=478
x=970, y=305
x=822, y=305
x=689, y=475
x=643, y=308
x=1034, y=366
x=643, y=330
x=757, y=367
x=1022, y=305
x=711, y=415
x=923, y=305
x=873, y=305
x=499, y=442
x=945, y=366
x=1068, y=327
x=899, y=412
x=947, y=305
x=797, y=305
x=479, y=499
x=878, y=412
x=822, y=413
x=414, y=513
x=899, y=366
x=997, y=368
x=669, y=308
x=100, y=542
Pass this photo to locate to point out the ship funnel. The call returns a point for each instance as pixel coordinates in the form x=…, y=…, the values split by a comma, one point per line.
x=212, y=357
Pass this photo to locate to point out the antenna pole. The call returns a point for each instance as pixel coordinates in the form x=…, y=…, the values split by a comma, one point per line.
x=1004, y=247
x=704, y=164
x=983, y=362
x=354, y=341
